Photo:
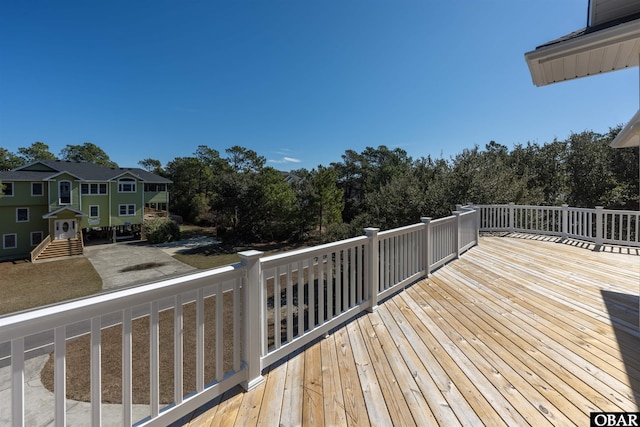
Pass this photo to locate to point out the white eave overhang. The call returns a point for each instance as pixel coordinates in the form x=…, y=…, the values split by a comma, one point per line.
x=629, y=136
x=609, y=49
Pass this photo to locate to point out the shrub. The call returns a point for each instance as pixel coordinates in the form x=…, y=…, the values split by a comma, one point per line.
x=161, y=230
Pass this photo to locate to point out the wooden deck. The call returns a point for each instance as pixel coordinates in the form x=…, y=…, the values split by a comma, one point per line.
x=519, y=331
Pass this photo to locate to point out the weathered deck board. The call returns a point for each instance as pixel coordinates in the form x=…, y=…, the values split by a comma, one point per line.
x=520, y=331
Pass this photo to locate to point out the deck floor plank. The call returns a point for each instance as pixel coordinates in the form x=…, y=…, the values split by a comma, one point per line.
x=334, y=407
x=500, y=355
x=396, y=403
x=541, y=346
x=313, y=396
x=291, y=412
x=550, y=381
x=416, y=403
x=521, y=330
x=354, y=405
x=371, y=390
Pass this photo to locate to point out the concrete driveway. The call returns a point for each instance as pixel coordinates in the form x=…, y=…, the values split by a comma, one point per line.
x=132, y=263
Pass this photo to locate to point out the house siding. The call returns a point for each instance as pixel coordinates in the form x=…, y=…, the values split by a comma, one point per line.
x=117, y=199
x=36, y=206
x=48, y=203
x=102, y=201
x=54, y=199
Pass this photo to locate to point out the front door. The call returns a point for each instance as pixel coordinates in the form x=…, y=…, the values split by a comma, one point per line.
x=65, y=229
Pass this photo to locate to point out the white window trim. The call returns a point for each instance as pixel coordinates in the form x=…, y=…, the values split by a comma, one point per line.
x=127, y=206
x=97, y=209
x=41, y=237
x=70, y=193
x=41, y=187
x=13, y=189
x=98, y=186
x=24, y=220
x=127, y=181
x=4, y=241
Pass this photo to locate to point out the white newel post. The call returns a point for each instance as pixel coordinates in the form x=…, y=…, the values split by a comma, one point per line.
x=372, y=268
x=457, y=232
x=252, y=318
x=599, y=228
x=426, y=242
x=512, y=217
x=477, y=224
x=565, y=222
x=17, y=382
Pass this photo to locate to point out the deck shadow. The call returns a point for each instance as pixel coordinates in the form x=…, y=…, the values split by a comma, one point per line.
x=624, y=316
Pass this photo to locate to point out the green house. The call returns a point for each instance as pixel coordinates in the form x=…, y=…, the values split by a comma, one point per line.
x=56, y=203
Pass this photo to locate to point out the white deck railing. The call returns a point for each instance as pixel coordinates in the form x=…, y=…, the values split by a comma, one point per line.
x=276, y=303
x=598, y=225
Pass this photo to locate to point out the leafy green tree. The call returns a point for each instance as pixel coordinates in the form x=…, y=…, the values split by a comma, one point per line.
x=277, y=205
x=544, y=168
x=152, y=165
x=328, y=201
x=487, y=176
x=624, y=163
x=8, y=160
x=241, y=159
x=37, y=151
x=434, y=179
x=591, y=179
x=192, y=188
x=351, y=174
x=87, y=152
x=398, y=202
x=361, y=174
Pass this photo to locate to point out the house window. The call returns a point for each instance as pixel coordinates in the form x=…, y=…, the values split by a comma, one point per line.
x=7, y=189
x=22, y=214
x=37, y=189
x=93, y=188
x=155, y=188
x=94, y=211
x=127, y=185
x=64, y=192
x=36, y=238
x=127, y=210
x=9, y=241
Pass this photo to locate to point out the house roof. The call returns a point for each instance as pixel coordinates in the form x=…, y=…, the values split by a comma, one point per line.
x=609, y=42
x=54, y=214
x=629, y=136
x=82, y=170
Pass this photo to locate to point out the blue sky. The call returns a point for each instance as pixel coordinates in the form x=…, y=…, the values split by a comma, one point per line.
x=298, y=81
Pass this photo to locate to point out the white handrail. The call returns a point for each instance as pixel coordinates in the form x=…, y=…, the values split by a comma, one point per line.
x=597, y=225
x=287, y=300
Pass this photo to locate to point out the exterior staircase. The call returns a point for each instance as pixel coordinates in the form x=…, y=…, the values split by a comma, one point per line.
x=61, y=248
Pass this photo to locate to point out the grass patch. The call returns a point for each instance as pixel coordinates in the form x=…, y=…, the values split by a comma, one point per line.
x=204, y=262
x=187, y=231
x=24, y=285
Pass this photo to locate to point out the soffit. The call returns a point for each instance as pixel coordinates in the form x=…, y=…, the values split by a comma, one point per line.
x=586, y=52
x=629, y=136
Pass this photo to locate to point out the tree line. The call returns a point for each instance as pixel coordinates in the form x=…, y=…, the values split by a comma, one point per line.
x=378, y=187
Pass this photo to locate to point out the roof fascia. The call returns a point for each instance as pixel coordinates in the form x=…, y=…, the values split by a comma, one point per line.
x=62, y=173
x=596, y=40
x=128, y=172
x=19, y=168
x=629, y=136
x=54, y=214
